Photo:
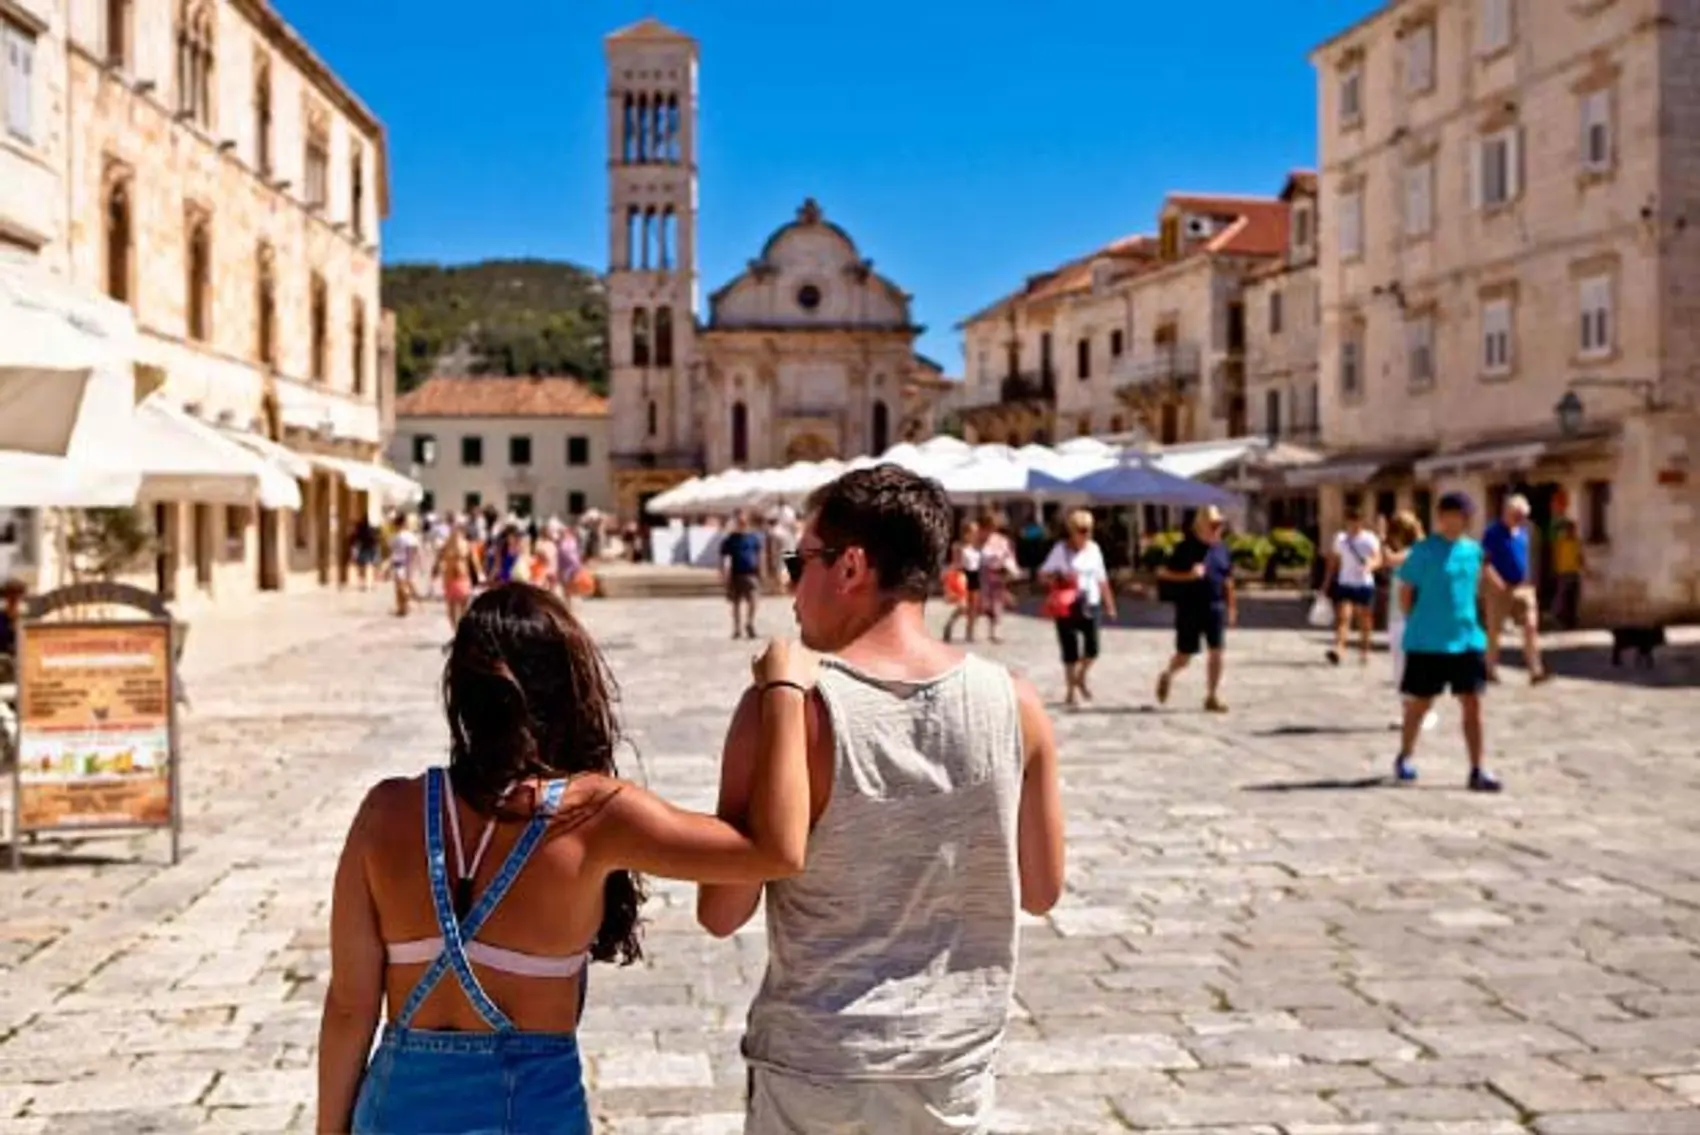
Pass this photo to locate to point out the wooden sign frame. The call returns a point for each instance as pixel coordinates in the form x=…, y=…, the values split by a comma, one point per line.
x=162, y=632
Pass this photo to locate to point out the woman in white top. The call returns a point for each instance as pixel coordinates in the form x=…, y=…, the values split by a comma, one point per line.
x=1079, y=583
x=967, y=561
x=1350, y=583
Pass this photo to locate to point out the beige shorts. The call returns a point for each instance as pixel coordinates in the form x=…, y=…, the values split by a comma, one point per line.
x=1518, y=605
x=783, y=1104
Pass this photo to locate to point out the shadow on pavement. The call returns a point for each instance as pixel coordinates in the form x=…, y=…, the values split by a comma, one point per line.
x=44, y=856
x=1324, y=730
x=1326, y=785
x=1675, y=666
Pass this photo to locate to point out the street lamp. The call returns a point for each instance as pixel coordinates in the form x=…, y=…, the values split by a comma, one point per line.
x=1569, y=409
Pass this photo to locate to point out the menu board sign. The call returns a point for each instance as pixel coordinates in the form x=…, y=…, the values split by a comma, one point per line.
x=94, y=726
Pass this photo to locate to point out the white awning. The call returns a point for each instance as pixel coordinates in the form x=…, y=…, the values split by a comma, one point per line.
x=390, y=487
x=295, y=464
x=1518, y=456
x=182, y=458
x=34, y=480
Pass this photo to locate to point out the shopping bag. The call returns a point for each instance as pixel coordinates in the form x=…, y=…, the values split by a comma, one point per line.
x=1321, y=612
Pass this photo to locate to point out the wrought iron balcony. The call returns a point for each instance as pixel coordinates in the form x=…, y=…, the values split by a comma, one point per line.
x=1032, y=387
x=1162, y=363
x=658, y=459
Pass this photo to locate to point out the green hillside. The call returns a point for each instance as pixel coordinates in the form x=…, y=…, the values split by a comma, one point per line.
x=508, y=317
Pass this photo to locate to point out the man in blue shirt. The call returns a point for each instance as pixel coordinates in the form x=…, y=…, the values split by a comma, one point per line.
x=1506, y=543
x=740, y=571
x=1439, y=583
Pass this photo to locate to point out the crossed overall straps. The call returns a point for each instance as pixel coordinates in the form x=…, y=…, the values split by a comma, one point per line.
x=456, y=933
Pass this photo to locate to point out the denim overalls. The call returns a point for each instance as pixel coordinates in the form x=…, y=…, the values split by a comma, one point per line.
x=504, y=1081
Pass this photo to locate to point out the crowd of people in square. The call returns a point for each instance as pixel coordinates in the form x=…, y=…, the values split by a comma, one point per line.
x=889, y=977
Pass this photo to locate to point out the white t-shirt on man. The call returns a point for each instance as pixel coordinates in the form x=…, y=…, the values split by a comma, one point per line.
x=1355, y=554
x=1087, y=564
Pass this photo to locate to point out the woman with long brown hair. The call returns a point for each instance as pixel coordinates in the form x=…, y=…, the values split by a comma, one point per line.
x=474, y=947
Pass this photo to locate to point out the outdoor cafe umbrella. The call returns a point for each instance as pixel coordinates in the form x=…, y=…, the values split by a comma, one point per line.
x=1136, y=481
x=67, y=367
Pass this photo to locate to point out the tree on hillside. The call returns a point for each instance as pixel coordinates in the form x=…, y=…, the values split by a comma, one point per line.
x=511, y=317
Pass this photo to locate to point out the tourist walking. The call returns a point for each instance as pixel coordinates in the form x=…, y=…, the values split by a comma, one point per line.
x=740, y=573
x=363, y=550
x=1350, y=583
x=404, y=556
x=1506, y=544
x=1440, y=583
x=457, y=564
x=1404, y=532
x=1079, y=595
x=1200, y=579
x=997, y=564
x=1569, y=564
x=965, y=558
x=544, y=879
x=569, y=561
x=936, y=811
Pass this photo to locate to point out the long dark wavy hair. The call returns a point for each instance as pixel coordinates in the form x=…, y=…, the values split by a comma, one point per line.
x=528, y=695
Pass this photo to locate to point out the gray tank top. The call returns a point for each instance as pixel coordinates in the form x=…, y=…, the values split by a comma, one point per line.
x=892, y=955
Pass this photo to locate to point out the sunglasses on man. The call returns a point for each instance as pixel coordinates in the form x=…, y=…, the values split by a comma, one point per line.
x=796, y=561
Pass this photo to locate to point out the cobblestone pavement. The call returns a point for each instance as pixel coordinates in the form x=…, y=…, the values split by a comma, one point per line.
x=1258, y=937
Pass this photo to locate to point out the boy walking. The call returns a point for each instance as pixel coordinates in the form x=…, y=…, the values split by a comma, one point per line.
x=1445, y=643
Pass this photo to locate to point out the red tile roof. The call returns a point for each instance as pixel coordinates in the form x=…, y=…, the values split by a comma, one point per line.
x=1258, y=227
x=474, y=396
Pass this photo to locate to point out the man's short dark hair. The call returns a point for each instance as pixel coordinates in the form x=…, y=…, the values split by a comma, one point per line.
x=901, y=519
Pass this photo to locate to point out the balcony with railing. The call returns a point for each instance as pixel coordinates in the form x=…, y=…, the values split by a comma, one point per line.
x=1040, y=386
x=1162, y=363
x=658, y=458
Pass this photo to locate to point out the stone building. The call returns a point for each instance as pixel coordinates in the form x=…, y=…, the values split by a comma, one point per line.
x=32, y=133
x=1510, y=279
x=1146, y=333
x=807, y=354
x=533, y=447
x=226, y=185
x=1283, y=315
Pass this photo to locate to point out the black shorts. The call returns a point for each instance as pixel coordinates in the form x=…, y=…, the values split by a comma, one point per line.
x=972, y=575
x=1078, y=636
x=1430, y=675
x=1198, y=627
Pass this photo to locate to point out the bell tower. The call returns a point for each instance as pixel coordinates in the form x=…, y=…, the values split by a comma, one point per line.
x=652, y=259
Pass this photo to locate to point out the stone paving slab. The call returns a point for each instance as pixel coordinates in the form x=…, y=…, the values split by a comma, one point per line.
x=1259, y=934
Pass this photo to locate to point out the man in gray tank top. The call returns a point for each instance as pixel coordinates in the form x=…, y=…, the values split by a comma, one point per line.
x=936, y=817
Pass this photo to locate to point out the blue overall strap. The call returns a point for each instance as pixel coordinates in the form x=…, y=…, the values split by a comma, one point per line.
x=455, y=933
x=436, y=862
x=515, y=862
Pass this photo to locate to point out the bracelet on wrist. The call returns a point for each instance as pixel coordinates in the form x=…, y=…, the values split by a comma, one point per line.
x=784, y=684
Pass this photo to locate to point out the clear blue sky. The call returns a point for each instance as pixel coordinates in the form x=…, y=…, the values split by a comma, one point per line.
x=963, y=144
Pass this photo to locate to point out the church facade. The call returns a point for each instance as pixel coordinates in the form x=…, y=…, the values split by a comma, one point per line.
x=807, y=354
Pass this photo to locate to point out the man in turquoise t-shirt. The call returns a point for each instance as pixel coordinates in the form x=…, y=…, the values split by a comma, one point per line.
x=1445, y=642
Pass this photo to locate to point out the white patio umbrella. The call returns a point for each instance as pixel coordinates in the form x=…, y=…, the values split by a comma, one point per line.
x=665, y=503
x=67, y=366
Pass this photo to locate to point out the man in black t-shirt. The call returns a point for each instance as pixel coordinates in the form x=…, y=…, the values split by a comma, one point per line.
x=1200, y=575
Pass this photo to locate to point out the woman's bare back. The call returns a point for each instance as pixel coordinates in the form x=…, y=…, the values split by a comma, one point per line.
x=552, y=910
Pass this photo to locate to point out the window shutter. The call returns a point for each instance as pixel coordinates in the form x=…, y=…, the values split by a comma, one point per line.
x=1473, y=164
x=1514, y=164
